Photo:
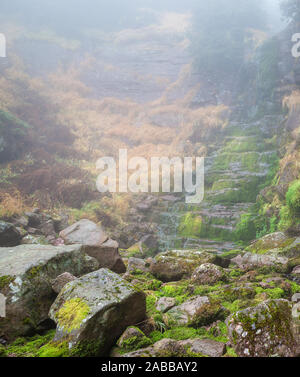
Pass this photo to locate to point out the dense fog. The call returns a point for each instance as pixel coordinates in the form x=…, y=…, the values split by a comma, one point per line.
x=72, y=16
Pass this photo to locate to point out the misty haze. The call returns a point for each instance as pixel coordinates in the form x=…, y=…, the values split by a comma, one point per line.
x=115, y=240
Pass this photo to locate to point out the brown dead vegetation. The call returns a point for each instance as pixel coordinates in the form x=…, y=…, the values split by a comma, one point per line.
x=70, y=126
x=11, y=204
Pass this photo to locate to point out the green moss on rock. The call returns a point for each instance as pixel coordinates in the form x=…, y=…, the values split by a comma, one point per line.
x=29, y=347
x=293, y=198
x=5, y=281
x=72, y=313
x=190, y=225
x=264, y=330
x=132, y=340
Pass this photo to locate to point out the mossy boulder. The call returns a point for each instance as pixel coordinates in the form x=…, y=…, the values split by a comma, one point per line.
x=182, y=348
x=208, y=274
x=198, y=311
x=248, y=261
x=93, y=311
x=263, y=331
x=180, y=264
x=133, y=339
x=268, y=242
x=290, y=250
x=233, y=292
x=277, y=244
x=137, y=264
x=26, y=274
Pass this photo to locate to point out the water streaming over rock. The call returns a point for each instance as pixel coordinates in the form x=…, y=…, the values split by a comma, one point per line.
x=236, y=170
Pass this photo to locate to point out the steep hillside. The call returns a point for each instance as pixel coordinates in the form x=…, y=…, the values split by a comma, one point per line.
x=87, y=98
x=142, y=92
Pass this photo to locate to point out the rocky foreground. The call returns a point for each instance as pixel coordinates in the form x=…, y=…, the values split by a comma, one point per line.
x=79, y=297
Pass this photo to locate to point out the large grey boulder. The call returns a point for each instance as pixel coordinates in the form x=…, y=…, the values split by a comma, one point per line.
x=96, y=244
x=93, y=311
x=84, y=232
x=179, y=264
x=250, y=260
x=9, y=235
x=26, y=274
x=263, y=331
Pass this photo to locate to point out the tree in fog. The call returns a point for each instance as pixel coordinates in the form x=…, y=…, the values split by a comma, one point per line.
x=219, y=34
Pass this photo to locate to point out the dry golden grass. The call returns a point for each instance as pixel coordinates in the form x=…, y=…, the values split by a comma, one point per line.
x=102, y=126
x=11, y=205
x=293, y=100
x=291, y=161
x=105, y=125
x=108, y=211
x=118, y=204
x=83, y=214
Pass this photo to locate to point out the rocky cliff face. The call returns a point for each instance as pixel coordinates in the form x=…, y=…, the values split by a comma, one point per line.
x=252, y=166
